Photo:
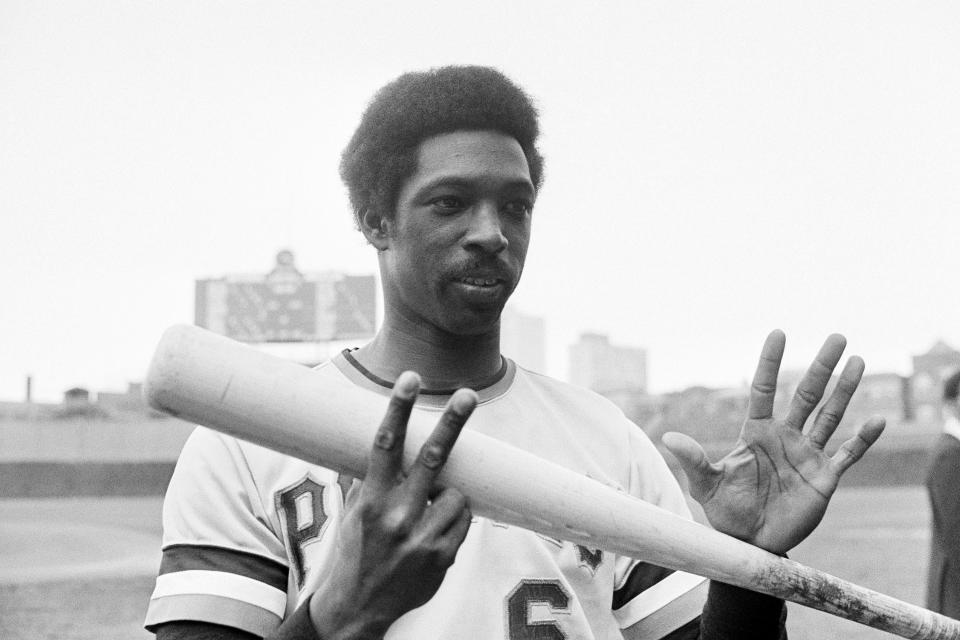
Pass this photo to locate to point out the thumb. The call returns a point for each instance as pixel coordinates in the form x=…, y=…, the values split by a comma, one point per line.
x=693, y=459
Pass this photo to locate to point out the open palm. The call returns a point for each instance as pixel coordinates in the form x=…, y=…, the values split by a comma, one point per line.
x=773, y=488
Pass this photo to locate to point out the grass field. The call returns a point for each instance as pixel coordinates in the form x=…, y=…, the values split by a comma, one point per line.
x=81, y=569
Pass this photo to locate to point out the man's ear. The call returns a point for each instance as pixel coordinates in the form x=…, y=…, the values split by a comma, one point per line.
x=376, y=228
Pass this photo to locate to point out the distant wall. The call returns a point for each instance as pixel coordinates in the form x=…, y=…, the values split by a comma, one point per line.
x=886, y=467
x=83, y=457
x=136, y=458
x=70, y=479
x=134, y=439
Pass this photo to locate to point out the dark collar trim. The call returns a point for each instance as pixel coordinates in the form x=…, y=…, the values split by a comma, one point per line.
x=386, y=384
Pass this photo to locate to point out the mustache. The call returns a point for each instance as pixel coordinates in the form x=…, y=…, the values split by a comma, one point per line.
x=490, y=269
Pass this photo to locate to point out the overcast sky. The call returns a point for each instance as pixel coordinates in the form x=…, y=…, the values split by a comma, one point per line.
x=714, y=170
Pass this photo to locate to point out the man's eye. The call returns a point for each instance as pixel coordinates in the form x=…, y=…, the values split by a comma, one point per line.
x=518, y=207
x=447, y=203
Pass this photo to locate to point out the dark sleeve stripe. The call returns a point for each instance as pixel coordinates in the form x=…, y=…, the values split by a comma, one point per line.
x=190, y=557
x=643, y=576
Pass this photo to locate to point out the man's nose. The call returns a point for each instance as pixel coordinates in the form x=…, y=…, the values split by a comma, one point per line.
x=486, y=229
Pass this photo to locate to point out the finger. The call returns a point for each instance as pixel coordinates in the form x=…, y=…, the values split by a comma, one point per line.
x=854, y=448
x=764, y=386
x=833, y=409
x=434, y=452
x=814, y=381
x=446, y=510
x=454, y=535
x=459, y=529
x=386, y=458
x=693, y=460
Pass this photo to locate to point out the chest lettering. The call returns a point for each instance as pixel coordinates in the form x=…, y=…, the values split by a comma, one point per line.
x=300, y=507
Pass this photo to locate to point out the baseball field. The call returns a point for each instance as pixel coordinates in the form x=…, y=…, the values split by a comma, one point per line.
x=83, y=568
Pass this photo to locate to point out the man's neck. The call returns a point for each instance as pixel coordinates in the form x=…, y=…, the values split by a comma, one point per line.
x=443, y=360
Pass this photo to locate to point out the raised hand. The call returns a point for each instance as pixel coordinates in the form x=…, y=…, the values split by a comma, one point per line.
x=773, y=488
x=399, y=533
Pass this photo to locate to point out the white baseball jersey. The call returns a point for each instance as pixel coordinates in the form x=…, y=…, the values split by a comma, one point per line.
x=248, y=532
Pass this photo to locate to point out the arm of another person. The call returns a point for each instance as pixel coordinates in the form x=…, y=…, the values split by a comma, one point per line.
x=398, y=537
x=943, y=483
x=774, y=487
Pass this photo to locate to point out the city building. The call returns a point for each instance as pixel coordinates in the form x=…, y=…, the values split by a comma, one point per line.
x=523, y=338
x=606, y=368
x=711, y=416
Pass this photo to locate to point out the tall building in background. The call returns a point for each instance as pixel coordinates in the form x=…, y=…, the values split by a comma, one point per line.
x=606, y=368
x=523, y=338
x=305, y=317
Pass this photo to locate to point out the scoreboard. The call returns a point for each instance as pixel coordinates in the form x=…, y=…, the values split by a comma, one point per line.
x=286, y=305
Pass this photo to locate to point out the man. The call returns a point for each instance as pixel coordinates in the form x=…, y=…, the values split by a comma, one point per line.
x=443, y=172
x=943, y=486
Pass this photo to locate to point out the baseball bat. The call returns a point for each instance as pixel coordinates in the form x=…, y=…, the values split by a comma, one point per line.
x=211, y=380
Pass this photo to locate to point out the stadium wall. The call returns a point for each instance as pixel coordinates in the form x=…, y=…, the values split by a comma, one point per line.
x=125, y=456
x=138, y=438
x=44, y=479
x=83, y=479
x=135, y=457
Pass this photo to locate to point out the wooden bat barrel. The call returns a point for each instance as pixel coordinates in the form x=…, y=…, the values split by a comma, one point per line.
x=211, y=380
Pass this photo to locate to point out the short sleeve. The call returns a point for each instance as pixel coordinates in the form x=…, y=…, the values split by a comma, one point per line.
x=222, y=560
x=650, y=601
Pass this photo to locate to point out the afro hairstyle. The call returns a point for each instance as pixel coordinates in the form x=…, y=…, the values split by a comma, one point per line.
x=382, y=154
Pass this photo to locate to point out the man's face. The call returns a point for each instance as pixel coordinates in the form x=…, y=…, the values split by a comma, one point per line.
x=458, y=239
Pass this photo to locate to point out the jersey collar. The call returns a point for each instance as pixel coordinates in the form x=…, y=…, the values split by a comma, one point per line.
x=436, y=398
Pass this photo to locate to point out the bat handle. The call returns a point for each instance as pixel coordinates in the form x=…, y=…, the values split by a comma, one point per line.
x=803, y=585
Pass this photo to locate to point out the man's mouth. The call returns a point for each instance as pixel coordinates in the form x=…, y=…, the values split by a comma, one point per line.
x=482, y=289
x=481, y=282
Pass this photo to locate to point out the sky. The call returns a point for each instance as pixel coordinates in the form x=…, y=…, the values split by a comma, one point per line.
x=714, y=170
